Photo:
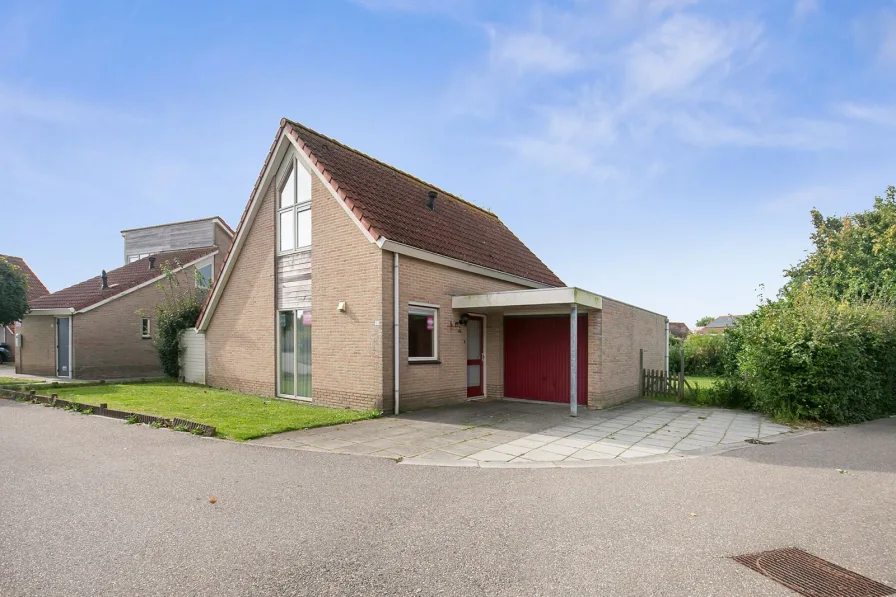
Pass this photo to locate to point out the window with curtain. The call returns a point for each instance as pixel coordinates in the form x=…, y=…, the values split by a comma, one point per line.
x=423, y=344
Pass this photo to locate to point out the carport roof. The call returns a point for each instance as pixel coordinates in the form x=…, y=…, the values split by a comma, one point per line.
x=539, y=298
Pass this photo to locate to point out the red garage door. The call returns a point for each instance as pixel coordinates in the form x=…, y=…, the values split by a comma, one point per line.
x=536, y=358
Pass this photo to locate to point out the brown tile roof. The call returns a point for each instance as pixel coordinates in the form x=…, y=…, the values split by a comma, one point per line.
x=89, y=292
x=393, y=204
x=36, y=288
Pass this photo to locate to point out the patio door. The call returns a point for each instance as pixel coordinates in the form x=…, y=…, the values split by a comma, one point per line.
x=294, y=354
x=475, y=357
x=63, y=347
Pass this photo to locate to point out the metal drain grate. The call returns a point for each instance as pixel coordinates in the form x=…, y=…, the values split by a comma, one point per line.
x=811, y=576
x=758, y=442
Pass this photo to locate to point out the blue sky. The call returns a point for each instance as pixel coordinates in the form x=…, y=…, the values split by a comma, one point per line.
x=662, y=152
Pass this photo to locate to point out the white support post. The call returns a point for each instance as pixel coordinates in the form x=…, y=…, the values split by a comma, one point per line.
x=573, y=360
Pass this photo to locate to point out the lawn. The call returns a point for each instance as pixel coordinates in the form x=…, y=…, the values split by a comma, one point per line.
x=235, y=416
x=18, y=381
x=704, y=382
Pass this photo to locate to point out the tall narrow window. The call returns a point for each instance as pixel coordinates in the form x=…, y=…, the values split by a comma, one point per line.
x=144, y=328
x=294, y=354
x=294, y=210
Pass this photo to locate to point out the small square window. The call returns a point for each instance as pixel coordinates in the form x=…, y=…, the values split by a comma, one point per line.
x=144, y=328
x=423, y=333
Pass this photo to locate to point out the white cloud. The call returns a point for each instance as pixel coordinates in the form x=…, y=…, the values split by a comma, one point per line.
x=681, y=50
x=18, y=104
x=871, y=113
x=705, y=130
x=533, y=52
x=804, y=8
x=888, y=41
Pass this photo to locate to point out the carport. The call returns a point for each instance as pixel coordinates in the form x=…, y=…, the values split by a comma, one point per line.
x=538, y=324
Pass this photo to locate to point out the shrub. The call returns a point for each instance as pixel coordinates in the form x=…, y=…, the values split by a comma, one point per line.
x=178, y=311
x=703, y=354
x=814, y=357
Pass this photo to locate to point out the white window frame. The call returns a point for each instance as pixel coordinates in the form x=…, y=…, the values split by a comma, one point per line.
x=148, y=328
x=295, y=208
x=295, y=314
x=211, y=278
x=424, y=309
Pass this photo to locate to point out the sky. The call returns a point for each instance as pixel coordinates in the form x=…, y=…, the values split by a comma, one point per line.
x=665, y=153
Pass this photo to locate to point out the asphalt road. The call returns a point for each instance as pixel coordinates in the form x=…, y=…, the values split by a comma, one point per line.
x=91, y=506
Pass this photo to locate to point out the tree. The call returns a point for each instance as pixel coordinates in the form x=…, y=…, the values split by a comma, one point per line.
x=704, y=321
x=13, y=293
x=854, y=256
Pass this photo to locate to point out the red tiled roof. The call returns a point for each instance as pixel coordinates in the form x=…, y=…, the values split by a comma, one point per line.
x=392, y=203
x=89, y=292
x=36, y=288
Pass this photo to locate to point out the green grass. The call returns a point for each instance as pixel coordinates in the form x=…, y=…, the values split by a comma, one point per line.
x=18, y=381
x=704, y=382
x=696, y=381
x=234, y=416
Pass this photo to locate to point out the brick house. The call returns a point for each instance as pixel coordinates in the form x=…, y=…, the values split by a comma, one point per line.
x=102, y=328
x=419, y=298
x=36, y=289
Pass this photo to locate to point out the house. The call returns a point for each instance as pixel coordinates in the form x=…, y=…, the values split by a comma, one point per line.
x=678, y=329
x=36, y=289
x=719, y=324
x=398, y=294
x=102, y=328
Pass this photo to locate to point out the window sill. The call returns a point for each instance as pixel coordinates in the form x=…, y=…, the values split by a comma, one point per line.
x=305, y=249
x=425, y=362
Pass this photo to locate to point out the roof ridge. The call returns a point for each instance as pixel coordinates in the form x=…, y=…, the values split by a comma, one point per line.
x=391, y=167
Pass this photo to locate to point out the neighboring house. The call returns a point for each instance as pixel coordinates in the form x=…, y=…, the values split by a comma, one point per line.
x=36, y=289
x=719, y=324
x=191, y=234
x=679, y=329
x=102, y=328
x=417, y=295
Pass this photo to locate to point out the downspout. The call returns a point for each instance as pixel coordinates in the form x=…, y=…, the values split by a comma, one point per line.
x=667, y=347
x=395, y=325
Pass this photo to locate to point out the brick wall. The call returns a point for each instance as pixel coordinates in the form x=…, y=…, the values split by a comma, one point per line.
x=346, y=348
x=424, y=385
x=240, y=339
x=615, y=337
x=38, y=353
x=108, y=340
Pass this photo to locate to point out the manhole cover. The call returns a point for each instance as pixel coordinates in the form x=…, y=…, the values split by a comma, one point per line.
x=811, y=576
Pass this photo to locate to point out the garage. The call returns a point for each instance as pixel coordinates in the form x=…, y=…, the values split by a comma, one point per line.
x=537, y=358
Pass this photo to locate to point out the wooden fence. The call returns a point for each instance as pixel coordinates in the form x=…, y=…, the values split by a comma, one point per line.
x=655, y=383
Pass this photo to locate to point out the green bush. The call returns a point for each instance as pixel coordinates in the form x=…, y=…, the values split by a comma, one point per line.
x=814, y=357
x=178, y=311
x=703, y=354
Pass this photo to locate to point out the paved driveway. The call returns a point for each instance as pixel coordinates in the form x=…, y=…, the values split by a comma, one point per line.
x=529, y=434
x=91, y=506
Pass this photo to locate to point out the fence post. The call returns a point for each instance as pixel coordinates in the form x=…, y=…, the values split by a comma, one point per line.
x=641, y=373
x=681, y=374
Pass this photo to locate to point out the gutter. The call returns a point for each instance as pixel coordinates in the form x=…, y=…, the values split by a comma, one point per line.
x=396, y=307
x=58, y=311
